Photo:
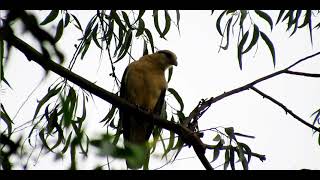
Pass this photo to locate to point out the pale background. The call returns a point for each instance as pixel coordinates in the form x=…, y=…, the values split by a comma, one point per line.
x=202, y=72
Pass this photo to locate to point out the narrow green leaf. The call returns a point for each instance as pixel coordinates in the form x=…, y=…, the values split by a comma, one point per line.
x=171, y=141
x=156, y=22
x=67, y=143
x=52, y=16
x=66, y=19
x=121, y=35
x=298, y=13
x=255, y=38
x=141, y=12
x=217, y=137
x=310, y=28
x=240, y=47
x=141, y=28
x=167, y=24
x=230, y=11
x=265, y=16
x=243, y=160
x=94, y=36
x=170, y=73
x=178, y=19
x=247, y=150
x=177, y=96
x=78, y=25
x=43, y=140
x=287, y=15
x=270, y=46
x=243, y=16
x=228, y=32
x=110, y=32
x=124, y=49
x=109, y=115
x=280, y=15
x=145, y=48
x=306, y=19
x=216, y=152
x=59, y=31
x=227, y=159
x=291, y=20
x=229, y=131
x=218, y=23
x=126, y=19
x=49, y=95
x=149, y=35
x=117, y=19
x=6, y=118
x=232, y=158
x=86, y=46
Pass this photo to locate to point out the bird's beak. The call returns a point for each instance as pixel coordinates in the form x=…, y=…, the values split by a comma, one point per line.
x=175, y=62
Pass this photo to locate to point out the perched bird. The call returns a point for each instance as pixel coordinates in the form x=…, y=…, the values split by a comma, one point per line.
x=144, y=84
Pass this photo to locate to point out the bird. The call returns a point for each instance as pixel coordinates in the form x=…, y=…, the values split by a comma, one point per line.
x=144, y=84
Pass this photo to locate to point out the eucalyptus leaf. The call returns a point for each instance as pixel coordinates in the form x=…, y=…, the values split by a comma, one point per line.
x=178, y=98
x=255, y=38
x=270, y=46
x=52, y=16
x=265, y=16
x=240, y=47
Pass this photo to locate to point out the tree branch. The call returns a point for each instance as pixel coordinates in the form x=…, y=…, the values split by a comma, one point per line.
x=186, y=134
x=285, y=108
x=205, y=104
x=303, y=74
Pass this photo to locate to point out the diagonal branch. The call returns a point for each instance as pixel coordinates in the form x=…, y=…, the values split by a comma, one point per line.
x=303, y=74
x=186, y=134
x=205, y=104
x=285, y=108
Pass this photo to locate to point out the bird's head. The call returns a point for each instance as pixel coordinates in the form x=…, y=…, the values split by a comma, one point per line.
x=167, y=58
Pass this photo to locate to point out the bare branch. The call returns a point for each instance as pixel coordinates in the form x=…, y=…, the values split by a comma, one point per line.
x=285, y=108
x=303, y=74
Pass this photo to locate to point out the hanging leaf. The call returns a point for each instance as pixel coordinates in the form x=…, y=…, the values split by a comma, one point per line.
x=167, y=24
x=67, y=143
x=265, y=16
x=240, y=47
x=178, y=20
x=109, y=32
x=141, y=12
x=280, y=15
x=254, y=40
x=109, y=115
x=217, y=137
x=216, y=152
x=247, y=150
x=126, y=19
x=66, y=19
x=86, y=46
x=94, y=36
x=218, y=23
x=124, y=49
x=296, y=21
x=171, y=141
x=149, y=35
x=49, y=95
x=243, y=15
x=52, y=16
x=228, y=31
x=59, y=31
x=270, y=46
x=232, y=158
x=227, y=159
x=178, y=98
x=78, y=25
x=6, y=118
x=141, y=28
x=170, y=73
x=115, y=16
x=156, y=22
x=121, y=35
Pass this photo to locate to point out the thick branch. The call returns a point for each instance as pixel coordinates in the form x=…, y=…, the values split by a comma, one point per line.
x=187, y=135
x=285, y=108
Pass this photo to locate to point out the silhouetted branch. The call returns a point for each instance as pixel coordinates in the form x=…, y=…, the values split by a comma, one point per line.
x=303, y=74
x=285, y=109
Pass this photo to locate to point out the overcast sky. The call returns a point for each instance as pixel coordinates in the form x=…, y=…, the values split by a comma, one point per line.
x=202, y=72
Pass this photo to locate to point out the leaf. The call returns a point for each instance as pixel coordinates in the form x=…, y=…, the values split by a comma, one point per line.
x=150, y=38
x=227, y=159
x=247, y=150
x=167, y=24
x=120, y=39
x=141, y=12
x=307, y=19
x=242, y=158
x=117, y=19
x=255, y=38
x=240, y=47
x=109, y=32
x=217, y=137
x=110, y=114
x=230, y=132
x=291, y=20
x=265, y=16
x=280, y=15
x=216, y=153
x=232, y=158
x=125, y=47
x=141, y=28
x=52, y=16
x=296, y=22
x=78, y=25
x=94, y=36
x=156, y=22
x=178, y=98
x=228, y=31
x=178, y=19
x=219, y=21
x=126, y=19
x=86, y=46
x=270, y=46
x=66, y=19
x=49, y=95
x=59, y=31
x=170, y=73
x=6, y=118
x=171, y=141
x=67, y=143
x=243, y=16
x=43, y=140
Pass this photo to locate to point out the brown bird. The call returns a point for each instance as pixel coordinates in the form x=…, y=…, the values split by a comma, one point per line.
x=144, y=84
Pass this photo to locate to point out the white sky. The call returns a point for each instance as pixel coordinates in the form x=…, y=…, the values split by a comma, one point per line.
x=202, y=72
